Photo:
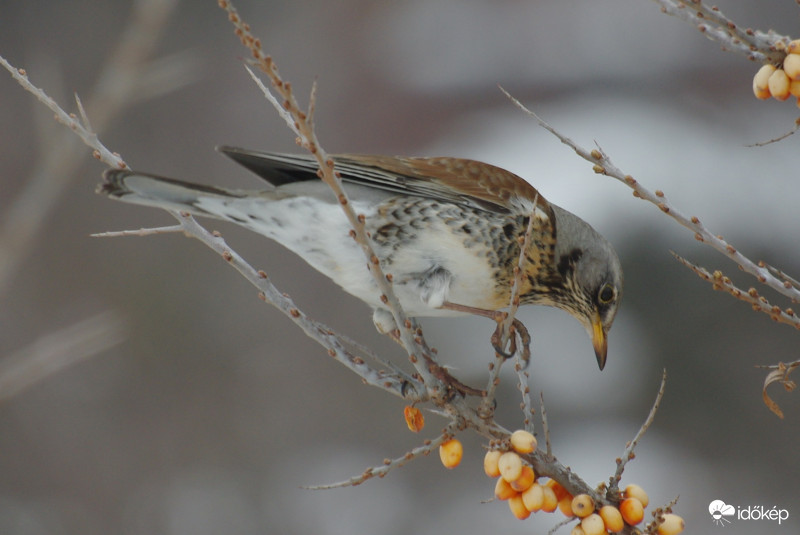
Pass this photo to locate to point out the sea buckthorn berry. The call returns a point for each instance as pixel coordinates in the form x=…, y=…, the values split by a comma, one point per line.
x=559, y=491
x=779, y=85
x=451, y=453
x=533, y=497
x=593, y=525
x=582, y=505
x=794, y=87
x=550, y=502
x=635, y=491
x=577, y=530
x=793, y=47
x=490, y=466
x=791, y=65
x=761, y=81
x=631, y=510
x=565, y=506
x=503, y=490
x=672, y=525
x=414, y=418
x=525, y=479
x=612, y=518
x=510, y=466
x=524, y=442
x=518, y=507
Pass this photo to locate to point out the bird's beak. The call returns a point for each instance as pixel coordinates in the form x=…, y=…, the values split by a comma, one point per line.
x=599, y=341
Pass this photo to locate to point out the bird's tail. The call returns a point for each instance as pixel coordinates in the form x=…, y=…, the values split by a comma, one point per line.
x=151, y=190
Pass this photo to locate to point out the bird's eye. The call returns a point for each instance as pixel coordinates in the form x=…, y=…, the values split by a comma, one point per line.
x=606, y=294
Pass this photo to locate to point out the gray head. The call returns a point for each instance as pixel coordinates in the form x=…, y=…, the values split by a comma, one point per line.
x=592, y=278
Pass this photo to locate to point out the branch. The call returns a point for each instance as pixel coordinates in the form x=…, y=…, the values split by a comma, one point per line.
x=409, y=335
x=711, y=22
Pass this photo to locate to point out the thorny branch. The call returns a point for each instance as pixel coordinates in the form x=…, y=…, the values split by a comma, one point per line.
x=412, y=388
x=754, y=44
x=764, y=273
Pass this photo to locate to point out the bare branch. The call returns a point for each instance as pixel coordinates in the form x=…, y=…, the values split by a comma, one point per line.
x=58, y=350
x=754, y=44
x=628, y=454
x=388, y=464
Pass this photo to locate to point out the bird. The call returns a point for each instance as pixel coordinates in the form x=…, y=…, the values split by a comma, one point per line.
x=448, y=230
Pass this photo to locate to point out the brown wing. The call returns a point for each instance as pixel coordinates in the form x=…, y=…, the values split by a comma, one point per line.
x=460, y=181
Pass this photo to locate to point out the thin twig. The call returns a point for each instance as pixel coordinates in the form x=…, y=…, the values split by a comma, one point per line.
x=140, y=232
x=388, y=464
x=545, y=427
x=628, y=454
x=58, y=350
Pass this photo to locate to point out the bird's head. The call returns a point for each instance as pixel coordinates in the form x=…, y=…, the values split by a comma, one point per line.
x=592, y=277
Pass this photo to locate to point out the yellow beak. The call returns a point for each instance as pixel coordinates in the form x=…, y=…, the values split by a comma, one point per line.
x=599, y=341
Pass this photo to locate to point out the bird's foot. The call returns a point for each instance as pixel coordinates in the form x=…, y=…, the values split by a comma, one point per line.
x=517, y=328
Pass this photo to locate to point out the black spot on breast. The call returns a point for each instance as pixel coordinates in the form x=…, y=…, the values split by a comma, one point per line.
x=508, y=230
x=567, y=262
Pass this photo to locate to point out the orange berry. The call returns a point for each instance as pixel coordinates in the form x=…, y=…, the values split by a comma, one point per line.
x=635, y=491
x=761, y=81
x=791, y=65
x=503, y=490
x=557, y=489
x=793, y=47
x=518, y=508
x=631, y=510
x=593, y=525
x=565, y=506
x=490, y=463
x=414, y=418
x=582, y=505
x=533, y=497
x=525, y=479
x=550, y=502
x=779, y=85
x=672, y=525
x=524, y=442
x=577, y=530
x=612, y=518
x=510, y=465
x=451, y=452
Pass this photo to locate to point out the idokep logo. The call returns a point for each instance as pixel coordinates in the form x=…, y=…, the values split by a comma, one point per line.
x=723, y=514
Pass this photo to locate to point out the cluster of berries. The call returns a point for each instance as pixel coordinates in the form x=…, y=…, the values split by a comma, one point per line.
x=517, y=484
x=780, y=83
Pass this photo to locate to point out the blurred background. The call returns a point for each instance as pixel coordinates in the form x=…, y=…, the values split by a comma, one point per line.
x=158, y=395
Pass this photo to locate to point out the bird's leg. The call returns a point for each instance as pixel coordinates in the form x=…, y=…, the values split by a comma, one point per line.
x=517, y=327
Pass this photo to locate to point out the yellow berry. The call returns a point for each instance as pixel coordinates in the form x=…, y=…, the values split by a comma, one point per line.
x=761, y=81
x=612, y=518
x=582, y=505
x=525, y=479
x=672, y=525
x=490, y=463
x=794, y=87
x=577, y=530
x=503, y=490
x=524, y=442
x=631, y=510
x=559, y=491
x=779, y=85
x=565, y=506
x=791, y=65
x=550, y=502
x=635, y=491
x=414, y=418
x=533, y=497
x=793, y=47
x=451, y=452
x=518, y=508
x=593, y=525
x=510, y=465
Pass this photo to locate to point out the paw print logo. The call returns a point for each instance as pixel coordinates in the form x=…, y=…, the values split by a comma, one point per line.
x=719, y=510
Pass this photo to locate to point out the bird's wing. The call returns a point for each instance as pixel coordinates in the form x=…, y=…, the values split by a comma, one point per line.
x=459, y=181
